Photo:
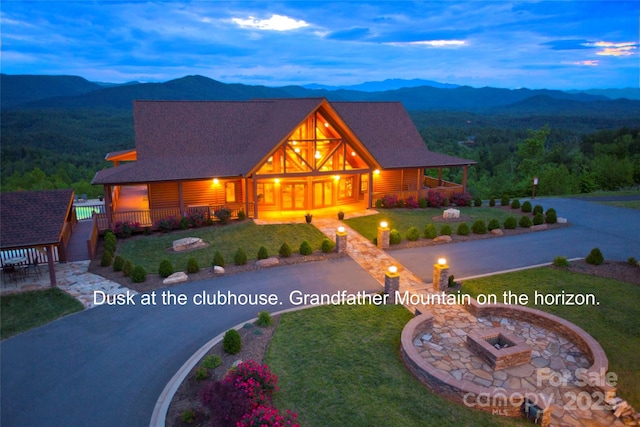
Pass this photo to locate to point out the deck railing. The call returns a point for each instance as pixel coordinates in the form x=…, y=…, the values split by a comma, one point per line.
x=92, y=241
x=30, y=253
x=446, y=188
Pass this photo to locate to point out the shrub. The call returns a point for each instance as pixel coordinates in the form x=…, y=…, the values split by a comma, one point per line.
x=477, y=202
x=262, y=253
x=192, y=265
x=401, y=203
x=125, y=229
x=109, y=236
x=525, y=222
x=232, y=342
x=389, y=201
x=378, y=203
x=445, y=201
x=435, y=199
x=305, y=248
x=211, y=361
x=240, y=258
x=412, y=202
x=327, y=246
x=461, y=199
x=218, y=259
x=422, y=203
x=285, y=250
x=631, y=261
x=538, y=219
x=165, y=269
x=511, y=223
x=223, y=215
x=242, y=215
x=413, y=234
x=118, y=263
x=127, y=268
x=551, y=217
x=430, y=231
x=492, y=201
x=226, y=403
x=196, y=219
x=110, y=247
x=445, y=230
x=188, y=416
x=526, y=207
x=255, y=379
x=167, y=224
x=595, y=257
x=504, y=201
x=395, y=237
x=184, y=223
x=201, y=373
x=479, y=227
x=515, y=204
x=264, y=319
x=560, y=261
x=463, y=229
x=537, y=209
x=494, y=224
x=264, y=415
x=138, y=274
x=107, y=259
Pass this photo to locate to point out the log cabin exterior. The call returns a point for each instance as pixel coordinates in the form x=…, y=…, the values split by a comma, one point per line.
x=270, y=157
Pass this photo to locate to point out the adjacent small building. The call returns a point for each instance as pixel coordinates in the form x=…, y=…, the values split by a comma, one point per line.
x=268, y=158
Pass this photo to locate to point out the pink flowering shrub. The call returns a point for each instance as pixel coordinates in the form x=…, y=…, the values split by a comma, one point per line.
x=461, y=199
x=168, y=224
x=435, y=199
x=389, y=201
x=268, y=416
x=197, y=219
x=411, y=202
x=125, y=229
x=255, y=380
x=227, y=403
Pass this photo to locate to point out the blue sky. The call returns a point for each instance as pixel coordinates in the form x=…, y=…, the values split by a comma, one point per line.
x=538, y=44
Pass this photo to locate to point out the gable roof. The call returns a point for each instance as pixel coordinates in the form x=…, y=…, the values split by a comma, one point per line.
x=183, y=140
x=33, y=218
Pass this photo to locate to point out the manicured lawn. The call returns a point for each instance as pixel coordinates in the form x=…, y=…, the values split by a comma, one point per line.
x=630, y=204
x=148, y=251
x=402, y=219
x=20, y=312
x=340, y=366
x=615, y=322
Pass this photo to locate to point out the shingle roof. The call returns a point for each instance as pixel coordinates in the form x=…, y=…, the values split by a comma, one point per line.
x=33, y=218
x=182, y=140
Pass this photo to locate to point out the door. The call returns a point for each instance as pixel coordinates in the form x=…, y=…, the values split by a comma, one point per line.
x=322, y=194
x=294, y=196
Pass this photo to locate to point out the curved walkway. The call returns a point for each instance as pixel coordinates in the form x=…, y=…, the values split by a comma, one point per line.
x=107, y=366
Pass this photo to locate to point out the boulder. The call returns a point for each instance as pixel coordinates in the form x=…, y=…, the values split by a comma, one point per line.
x=443, y=239
x=451, y=213
x=218, y=269
x=562, y=220
x=188, y=243
x=178, y=277
x=497, y=232
x=267, y=262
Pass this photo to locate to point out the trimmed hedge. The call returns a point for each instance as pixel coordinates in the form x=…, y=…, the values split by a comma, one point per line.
x=262, y=253
x=515, y=204
x=240, y=258
x=504, y=201
x=327, y=246
x=430, y=231
x=413, y=234
x=494, y=224
x=192, y=266
x=595, y=257
x=511, y=223
x=463, y=229
x=138, y=274
x=445, y=230
x=305, y=248
x=551, y=217
x=165, y=269
x=526, y=207
x=218, y=259
x=525, y=222
x=127, y=268
x=492, y=201
x=107, y=259
x=395, y=237
x=232, y=342
x=538, y=219
x=479, y=227
x=118, y=263
x=285, y=250
x=537, y=209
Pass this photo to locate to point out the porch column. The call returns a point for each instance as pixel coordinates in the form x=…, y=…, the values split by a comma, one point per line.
x=180, y=199
x=52, y=268
x=108, y=206
x=464, y=178
x=246, y=195
x=370, y=195
x=440, y=177
x=255, y=196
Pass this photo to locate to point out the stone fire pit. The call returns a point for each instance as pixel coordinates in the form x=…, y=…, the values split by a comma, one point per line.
x=498, y=347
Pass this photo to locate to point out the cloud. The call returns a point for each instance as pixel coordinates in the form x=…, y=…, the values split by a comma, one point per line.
x=615, y=49
x=432, y=43
x=275, y=23
x=587, y=63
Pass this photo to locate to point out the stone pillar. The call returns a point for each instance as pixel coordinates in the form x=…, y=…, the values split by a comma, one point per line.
x=391, y=285
x=383, y=236
x=341, y=240
x=440, y=277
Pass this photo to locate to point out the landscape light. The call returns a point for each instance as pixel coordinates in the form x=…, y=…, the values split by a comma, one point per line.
x=341, y=229
x=384, y=224
x=442, y=261
x=393, y=269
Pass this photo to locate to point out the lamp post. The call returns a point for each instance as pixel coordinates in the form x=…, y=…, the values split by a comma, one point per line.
x=391, y=283
x=534, y=183
x=441, y=275
x=341, y=240
x=383, y=235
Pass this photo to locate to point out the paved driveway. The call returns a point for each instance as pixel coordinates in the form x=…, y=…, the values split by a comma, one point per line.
x=108, y=365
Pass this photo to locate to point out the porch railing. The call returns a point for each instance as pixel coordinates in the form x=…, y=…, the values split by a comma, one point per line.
x=445, y=188
x=30, y=253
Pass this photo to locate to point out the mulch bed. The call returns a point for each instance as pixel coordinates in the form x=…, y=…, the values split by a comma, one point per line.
x=617, y=270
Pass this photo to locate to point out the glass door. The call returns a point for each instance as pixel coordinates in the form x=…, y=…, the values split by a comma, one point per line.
x=294, y=196
x=322, y=194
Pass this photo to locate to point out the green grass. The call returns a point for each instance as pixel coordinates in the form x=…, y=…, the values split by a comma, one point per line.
x=606, y=193
x=21, y=312
x=340, y=366
x=402, y=219
x=614, y=323
x=149, y=251
x=630, y=204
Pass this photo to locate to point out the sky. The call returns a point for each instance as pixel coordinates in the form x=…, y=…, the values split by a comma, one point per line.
x=534, y=44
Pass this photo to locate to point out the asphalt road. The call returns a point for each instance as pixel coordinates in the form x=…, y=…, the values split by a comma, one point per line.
x=108, y=365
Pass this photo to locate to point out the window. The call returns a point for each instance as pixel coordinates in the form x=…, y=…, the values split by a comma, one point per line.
x=230, y=192
x=266, y=193
x=345, y=188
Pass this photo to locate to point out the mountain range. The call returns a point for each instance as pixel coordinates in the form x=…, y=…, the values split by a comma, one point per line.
x=73, y=92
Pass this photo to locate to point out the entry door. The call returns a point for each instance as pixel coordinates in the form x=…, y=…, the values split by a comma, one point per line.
x=294, y=196
x=322, y=194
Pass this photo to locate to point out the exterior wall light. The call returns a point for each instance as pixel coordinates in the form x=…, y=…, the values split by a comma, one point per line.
x=376, y=172
x=336, y=177
x=215, y=181
x=277, y=180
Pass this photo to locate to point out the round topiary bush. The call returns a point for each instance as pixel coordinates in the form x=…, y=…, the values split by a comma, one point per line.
x=232, y=342
x=107, y=259
x=109, y=246
x=305, y=248
x=494, y=224
x=413, y=234
x=127, y=267
x=504, y=201
x=192, y=266
x=394, y=237
x=430, y=231
x=264, y=319
x=537, y=209
x=118, y=263
x=327, y=246
x=262, y=253
x=515, y=204
x=479, y=227
x=285, y=250
x=492, y=201
x=538, y=219
x=165, y=269
x=477, y=202
x=138, y=274
x=526, y=207
x=595, y=257
x=446, y=230
x=218, y=259
x=560, y=261
x=525, y=222
x=551, y=217
x=240, y=258
x=463, y=229
x=511, y=223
